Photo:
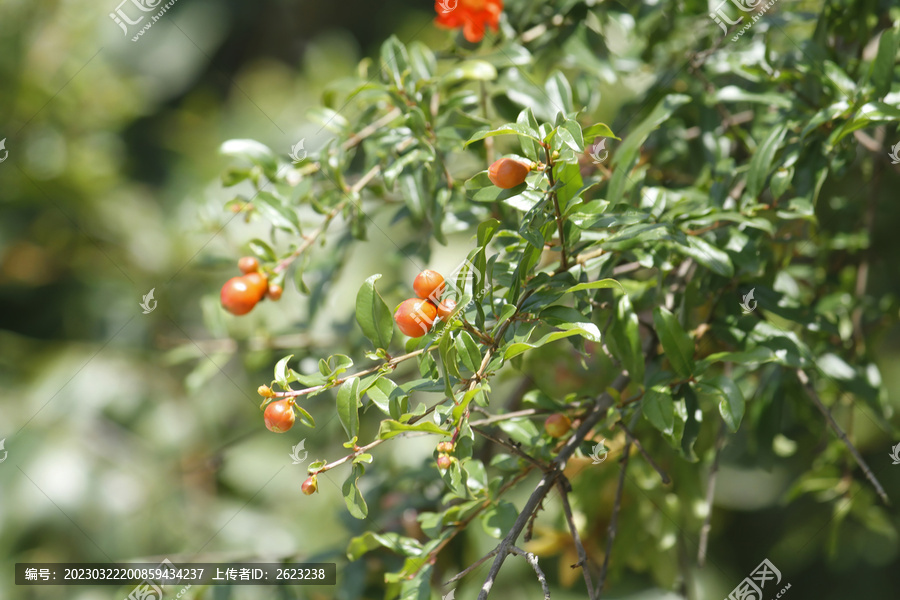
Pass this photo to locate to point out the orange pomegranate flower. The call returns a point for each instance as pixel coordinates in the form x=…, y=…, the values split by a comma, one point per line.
x=471, y=15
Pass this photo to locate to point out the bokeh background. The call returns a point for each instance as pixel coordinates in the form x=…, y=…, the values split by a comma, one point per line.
x=137, y=435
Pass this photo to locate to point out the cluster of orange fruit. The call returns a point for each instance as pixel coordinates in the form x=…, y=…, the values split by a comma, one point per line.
x=415, y=316
x=240, y=294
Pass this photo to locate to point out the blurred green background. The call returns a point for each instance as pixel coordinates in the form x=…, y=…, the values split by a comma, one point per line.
x=137, y=435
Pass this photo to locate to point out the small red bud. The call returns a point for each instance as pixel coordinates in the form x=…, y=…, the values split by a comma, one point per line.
x=310, y=486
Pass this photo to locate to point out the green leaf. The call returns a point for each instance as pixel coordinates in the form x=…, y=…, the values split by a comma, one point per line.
x=835, y=367
x=508, y=129
x=598, y=130
x=691, y=427
x=329, y=119
x=600, y=284
x=476, y=70
x=568, y=176
x=659, y=408
x=761, y=163
x=624, y=338
x=380, y=394
x=530, y=147
x=731, y=400
x=234, y=175
x=515, y=349
x=707, y=255
x=283, y=372
x=486, y=231
x=356, y=504
x=627, y=153
x=467, y=398
x=566, y=318
x=394, y=59
x=262, y=250
x=305, y=417
x=732, y=93
x=506, y=312
x=559, y=92
x=390, y=428
x=373, y=314
x=520, y=430
x=273, y=209
x=251, y=150
x=363, y=458
x=499, y=519
x=677, y=344
x=757, y=355
x=348, y=406
x=369, y=541
x=468, y=351
x=883, y=66
x=416, y=157
x=334, y=365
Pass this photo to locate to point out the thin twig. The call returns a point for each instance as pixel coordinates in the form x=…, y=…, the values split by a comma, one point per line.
x=613, y=520
x=710, y=494
x=804, y=380
x=309, y=240
x=390, y=364
x=509, y=446
x=637, y=443
x=564, y=489
x=473, y=566
x=357, y=138
x=601, y=406
x=465, y=522
x=533, y=561
x=862, y=272
x=507, y=416
x=488, y=141
x=560, y=226
x=529, y=529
